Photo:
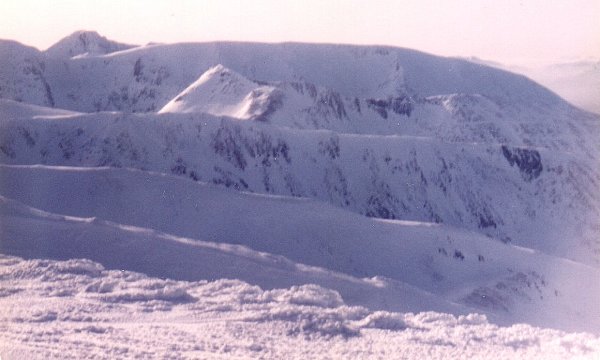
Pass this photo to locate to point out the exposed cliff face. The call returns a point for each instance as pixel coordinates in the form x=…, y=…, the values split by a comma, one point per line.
x=528, y=161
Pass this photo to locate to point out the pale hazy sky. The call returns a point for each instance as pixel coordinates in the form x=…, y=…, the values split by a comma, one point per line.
x=503, y=30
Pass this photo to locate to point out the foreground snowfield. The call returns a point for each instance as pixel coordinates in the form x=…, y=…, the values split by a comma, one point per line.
x=74, y=309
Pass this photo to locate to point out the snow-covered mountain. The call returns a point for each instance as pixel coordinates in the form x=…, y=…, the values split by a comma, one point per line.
x=400, y=180
x=533, y=197
x=222, y=92
x=146, y=78
x=84, y=43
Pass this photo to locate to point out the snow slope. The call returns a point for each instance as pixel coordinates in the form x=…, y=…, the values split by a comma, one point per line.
x=512, y=283
x=533, y=197
x=32, y=233
x=23, y=75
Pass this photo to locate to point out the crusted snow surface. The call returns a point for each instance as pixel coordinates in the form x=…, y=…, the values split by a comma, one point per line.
x=77, y=309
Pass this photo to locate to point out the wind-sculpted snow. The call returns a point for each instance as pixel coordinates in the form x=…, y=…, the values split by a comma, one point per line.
x=77, y=308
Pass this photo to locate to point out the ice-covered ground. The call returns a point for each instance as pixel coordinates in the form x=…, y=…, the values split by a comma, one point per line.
x=74, y=309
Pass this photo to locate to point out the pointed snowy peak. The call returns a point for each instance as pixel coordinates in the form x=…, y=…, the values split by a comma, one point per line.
x=82, y=43
x=224, y=80
x=223, y=92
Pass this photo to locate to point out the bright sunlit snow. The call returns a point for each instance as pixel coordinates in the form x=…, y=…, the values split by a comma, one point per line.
x=247, y=200
x=74, y=308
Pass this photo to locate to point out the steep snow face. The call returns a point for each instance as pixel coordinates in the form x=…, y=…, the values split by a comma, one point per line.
x=221, y=91
x=465, y=118
x=84, y=43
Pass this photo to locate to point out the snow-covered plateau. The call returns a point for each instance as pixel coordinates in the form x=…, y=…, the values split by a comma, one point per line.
x=246, y=200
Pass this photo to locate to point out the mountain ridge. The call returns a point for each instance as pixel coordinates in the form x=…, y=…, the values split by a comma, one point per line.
x=289, y=55
x=463, y=184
